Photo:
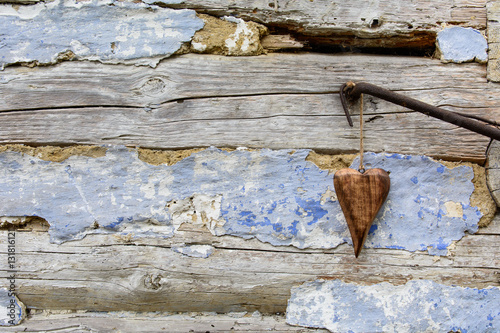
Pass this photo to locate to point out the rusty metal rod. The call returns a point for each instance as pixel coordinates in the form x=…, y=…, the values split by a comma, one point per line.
x=352, y=91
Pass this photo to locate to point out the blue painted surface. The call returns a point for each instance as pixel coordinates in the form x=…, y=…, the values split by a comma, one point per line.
x=420, y=206
x=108, y=31
x=275, y=196
x=418, y=306
x=459, y=44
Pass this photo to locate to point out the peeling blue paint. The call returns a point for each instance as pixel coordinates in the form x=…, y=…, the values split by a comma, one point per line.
x=126, y=31
x=275, y=196
x=421, y=206
x=458, y=44
x=418, y=306
x=13, y=311
x=310, y=208
x=373, y=228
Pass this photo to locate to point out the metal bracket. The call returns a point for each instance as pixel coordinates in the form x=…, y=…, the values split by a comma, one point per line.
x=351, y=91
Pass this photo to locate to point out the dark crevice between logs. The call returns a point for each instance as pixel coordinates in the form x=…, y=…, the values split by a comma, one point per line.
x=24, y=223
x=420, y=44
x=413, y=42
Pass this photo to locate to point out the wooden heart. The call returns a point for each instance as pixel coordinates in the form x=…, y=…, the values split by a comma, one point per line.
x=360, y=196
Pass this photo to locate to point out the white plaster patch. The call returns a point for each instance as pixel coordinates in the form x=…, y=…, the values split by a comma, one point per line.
x=320, y=236
x=200, y=47
x=242, y=37
x=25, y=12
x=12, y=220
x=198, y=209
x=194, y=251
x=149, y=227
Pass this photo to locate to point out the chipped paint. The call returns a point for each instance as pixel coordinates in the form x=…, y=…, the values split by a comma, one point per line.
x=418, y=306
x=194, y=251
x=13, y=311
x=108, y=31
x=420, y=190
x=276, y=196
x=198, y=209
x=458, y=44
x=454, y=209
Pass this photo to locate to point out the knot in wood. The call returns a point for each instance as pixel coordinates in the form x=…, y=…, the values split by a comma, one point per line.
x=153, y=281
x=154, y=86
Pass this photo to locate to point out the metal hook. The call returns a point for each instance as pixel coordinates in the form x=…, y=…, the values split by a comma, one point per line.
x=343, y=93
x=352, y=91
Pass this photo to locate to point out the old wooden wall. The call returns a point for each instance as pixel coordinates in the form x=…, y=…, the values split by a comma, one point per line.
x=167, y=166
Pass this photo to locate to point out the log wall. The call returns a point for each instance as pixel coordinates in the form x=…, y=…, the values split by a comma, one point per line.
x=167, y=166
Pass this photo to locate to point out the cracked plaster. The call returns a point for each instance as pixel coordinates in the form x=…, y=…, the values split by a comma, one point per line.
x=276, y=196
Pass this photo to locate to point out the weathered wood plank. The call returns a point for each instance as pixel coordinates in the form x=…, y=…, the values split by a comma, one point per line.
x=493, y=228
x=275, y=101
x=216, y=124
x=374, y=23
x=493, y=171
x=277, y=42
x=240, y=275
x=202, y=76
x=493, y=13
x=52, y=321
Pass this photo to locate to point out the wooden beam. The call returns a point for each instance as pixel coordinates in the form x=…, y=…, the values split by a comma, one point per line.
x=493, y=171
x=273, y=101
x=64, y=322
x=374, y=24
x=493, y=12
x=113, y=273
x=280, y=42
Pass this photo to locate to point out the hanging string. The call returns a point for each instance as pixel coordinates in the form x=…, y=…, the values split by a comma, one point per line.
x=361, y=151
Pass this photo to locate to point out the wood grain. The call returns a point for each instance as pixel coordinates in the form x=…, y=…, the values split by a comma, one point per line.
x=362, y=23
x=63, y=322
x=361, y=195
x=274, y=101
x=493, y=171
x=493, y=14
x=113, y=273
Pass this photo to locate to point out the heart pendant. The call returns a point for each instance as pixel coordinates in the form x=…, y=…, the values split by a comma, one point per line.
x=360, y=196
